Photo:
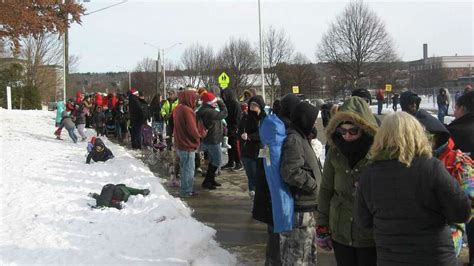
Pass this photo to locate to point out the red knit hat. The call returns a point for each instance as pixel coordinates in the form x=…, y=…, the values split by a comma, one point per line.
x=208, y=98
x=134, y=92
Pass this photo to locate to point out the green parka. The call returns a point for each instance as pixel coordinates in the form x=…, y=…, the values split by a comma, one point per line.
x=336, y=194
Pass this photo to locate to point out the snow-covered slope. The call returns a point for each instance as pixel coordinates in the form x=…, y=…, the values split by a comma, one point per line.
x=45, y=217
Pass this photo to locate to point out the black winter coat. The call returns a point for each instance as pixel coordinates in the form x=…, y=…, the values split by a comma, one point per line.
x=99, y=153
x=249, y=148
x=136, y=111
x=234, y=113
x=462, y=131
x=262, y=205
x=212, y=121
x=409, y=210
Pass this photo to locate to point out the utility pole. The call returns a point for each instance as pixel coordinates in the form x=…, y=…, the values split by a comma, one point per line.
x=66, y=57
x=261, y=50
x=157, y=73
x=164, y=74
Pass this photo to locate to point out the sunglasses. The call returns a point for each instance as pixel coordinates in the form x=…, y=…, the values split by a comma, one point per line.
x=343, y=131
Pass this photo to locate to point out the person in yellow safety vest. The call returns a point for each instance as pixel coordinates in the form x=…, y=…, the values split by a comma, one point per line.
x=167, y=113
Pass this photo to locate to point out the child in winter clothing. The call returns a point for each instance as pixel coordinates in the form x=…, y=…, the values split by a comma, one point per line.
x=99, y=121
x=67, y=123
x=80, y=120
x=113, y=195
x=99, y=152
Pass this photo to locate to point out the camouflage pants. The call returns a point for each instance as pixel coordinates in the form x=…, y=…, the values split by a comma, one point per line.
x=298, y=247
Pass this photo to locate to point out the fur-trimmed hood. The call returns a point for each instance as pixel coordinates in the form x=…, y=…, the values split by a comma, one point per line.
x=356, y=111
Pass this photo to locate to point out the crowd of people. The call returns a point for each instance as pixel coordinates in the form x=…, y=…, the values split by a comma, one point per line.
x=390, y=192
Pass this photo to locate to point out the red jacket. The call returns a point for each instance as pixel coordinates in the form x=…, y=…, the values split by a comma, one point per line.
x=186, y=134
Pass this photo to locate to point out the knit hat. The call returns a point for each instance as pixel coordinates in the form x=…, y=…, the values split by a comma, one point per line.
x=208, y=98
x=93, y=140
x=363, y=93
x=201, y=91
x=134, y=92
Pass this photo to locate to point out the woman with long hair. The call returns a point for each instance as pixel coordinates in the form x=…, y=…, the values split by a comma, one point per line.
x=408, y=197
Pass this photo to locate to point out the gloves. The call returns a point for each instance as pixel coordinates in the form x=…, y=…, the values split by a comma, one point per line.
x=323, y=238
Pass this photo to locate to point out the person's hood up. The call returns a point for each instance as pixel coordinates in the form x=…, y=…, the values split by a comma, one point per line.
x=215, y=90
x=355, y=110
x=261, y=103
x=304, y=117
x=407, y=97
x=288, y=104
x=99, y=145
x=363, y=93
x=187, y=98
x=433, y=126
x=229, y=95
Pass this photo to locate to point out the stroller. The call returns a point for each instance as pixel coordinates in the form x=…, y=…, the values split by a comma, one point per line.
x=110, y=123
x=152, y=150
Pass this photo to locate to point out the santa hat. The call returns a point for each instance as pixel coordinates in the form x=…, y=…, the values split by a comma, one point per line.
x=208, y=98
x=134, y=92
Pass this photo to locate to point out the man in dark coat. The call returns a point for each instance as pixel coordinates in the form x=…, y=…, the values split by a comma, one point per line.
x=410, y=102
x=234, y=114
x=137, y=118
x=462, y=128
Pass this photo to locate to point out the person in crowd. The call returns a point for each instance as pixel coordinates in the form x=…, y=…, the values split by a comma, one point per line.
x=350, y=134
x=249, y=93
x=66, y=122
x=364, y=94
x=60, y=107
x=234, y=115
x=70, y=105
x=448, y=95
x=395, y=101
x=157, y=121
x=442, y=100
x=262, y=206
x=410, y=102
x=88, y=107
x=468, y=88
x=187, y=139
x=462, y=132
x=300, y=170
x=457, y=95
x=250, y=141
x=119, y=113
x=211, y=143
x=79, y=97
x=137, y=118
x=462, y=127
x=99, y=121
x=99, y=153
x=288, y=104
x=167, y=113
x=380, y=99
x=113, y=195
x=408, y=197
x=80, y=120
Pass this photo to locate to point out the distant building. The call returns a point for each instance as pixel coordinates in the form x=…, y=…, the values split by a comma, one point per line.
x=437, y=71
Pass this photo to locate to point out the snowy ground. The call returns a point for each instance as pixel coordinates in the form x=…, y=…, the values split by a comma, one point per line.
x=426, y=103
x=45, y=217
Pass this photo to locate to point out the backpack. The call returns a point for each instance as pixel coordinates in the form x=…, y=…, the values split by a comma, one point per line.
x=272, y=135
x=461, y=167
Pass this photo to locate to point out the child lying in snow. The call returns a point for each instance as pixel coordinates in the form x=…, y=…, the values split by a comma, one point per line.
x=99, y=152
x=113, y=195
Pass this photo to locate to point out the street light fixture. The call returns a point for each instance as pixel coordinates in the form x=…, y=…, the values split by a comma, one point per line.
x=163, y=65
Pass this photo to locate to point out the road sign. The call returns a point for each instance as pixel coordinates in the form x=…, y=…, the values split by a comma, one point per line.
x=388, y=87
x=223, y=80
x=296, y=89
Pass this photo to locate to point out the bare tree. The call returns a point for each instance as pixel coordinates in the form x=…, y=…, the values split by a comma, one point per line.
x=199, y=64
x=238, y=58
x=355, y=42
x=277, y=49
x=43, y=56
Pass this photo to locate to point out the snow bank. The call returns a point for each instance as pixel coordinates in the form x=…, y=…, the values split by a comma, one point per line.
x=45, y=217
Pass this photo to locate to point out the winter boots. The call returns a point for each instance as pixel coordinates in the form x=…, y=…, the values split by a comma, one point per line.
x=210, y=179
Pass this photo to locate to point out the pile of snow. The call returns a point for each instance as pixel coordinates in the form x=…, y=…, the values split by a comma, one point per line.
x=45, y=216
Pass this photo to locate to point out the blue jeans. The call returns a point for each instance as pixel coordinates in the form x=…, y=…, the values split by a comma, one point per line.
x=72, y=134
x=442, y=110
x=379, y=107
x=186, y=170
x=250, y=166
x=214, y=153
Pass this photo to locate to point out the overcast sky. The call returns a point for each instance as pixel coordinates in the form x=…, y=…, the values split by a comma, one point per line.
x=112, y=39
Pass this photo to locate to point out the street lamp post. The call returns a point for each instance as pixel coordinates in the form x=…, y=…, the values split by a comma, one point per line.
x=163, y=65
x=261, y=50
x=129, y=77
